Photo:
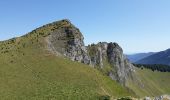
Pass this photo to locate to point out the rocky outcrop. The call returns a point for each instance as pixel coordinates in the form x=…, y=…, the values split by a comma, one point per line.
x=107, y=57
x=163, y=97
x=68, y=41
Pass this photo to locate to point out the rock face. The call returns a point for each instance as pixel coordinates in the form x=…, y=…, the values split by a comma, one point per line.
x=107, y=57
x=163, y=97
x=68, y=41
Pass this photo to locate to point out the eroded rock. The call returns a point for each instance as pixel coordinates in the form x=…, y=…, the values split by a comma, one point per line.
x=107, y=57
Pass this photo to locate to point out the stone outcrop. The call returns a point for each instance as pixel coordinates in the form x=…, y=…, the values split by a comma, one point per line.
x=162, y=97
x=107, y=57
x=104, y=55
x=68, y=41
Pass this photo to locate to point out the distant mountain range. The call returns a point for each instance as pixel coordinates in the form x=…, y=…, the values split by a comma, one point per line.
x=162, y=57
x=138, y=56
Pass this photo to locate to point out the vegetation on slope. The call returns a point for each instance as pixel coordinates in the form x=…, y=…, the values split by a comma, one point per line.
x=154, y=67
x=150, y=83
x=29, y=72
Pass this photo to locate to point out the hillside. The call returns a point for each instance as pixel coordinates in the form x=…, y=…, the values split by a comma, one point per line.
x=52, y=62
x=136, y=57
x=29, y=71
x=150, y=83
x=162, y=57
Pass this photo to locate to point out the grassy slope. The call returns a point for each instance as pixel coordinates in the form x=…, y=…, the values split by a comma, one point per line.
x=155, y=83
x=29, y=72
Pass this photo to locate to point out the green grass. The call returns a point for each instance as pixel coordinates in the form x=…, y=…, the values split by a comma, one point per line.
x=154, y=83
x=29, y=72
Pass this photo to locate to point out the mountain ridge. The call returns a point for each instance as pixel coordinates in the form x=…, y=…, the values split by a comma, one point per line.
x=138, y=56
x=162, y=57
x=42, y=59
x=29, y=70
x=69, y=41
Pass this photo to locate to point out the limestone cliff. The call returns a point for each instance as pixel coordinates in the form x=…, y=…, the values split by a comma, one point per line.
x=68, y=41
x=107, y=57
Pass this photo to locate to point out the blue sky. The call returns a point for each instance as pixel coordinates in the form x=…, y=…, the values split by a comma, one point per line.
x=136, y=25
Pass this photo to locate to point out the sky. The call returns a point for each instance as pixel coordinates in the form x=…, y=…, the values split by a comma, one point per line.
x=136, y=25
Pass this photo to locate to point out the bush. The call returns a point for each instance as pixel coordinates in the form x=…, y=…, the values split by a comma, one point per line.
x=105, y=97
x=125, y=98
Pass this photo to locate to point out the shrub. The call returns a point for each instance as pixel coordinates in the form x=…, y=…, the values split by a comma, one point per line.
x=105, y=97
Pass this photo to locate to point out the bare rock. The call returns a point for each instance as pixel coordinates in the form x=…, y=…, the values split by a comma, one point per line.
x=112, y=54
x=67, y=40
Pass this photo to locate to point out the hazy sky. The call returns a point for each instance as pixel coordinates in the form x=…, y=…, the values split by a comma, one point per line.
x=136, y=25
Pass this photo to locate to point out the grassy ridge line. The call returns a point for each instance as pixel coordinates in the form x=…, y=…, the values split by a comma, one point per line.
x=29, y=72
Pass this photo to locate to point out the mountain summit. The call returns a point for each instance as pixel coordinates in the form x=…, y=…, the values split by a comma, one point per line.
x=67, y=40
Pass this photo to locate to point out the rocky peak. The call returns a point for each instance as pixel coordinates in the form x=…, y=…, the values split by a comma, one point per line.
x=68, y=41
x=109, y=58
